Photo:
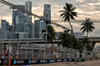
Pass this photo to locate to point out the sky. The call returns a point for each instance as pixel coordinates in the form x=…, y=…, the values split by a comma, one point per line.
x=84, y=8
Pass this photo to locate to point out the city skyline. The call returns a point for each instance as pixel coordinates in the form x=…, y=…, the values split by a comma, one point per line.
x=81, y=8
x=21, y=24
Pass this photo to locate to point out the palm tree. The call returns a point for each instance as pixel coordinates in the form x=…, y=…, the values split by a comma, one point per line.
x=76, y=44
x=87, y=44
x=65, y=38
x=68, y=14
x=51, y=33
x=87, y=26
x=85, y=41
x=68, y=40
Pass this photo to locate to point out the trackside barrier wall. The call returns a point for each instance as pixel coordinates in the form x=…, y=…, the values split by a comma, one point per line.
x=43, y=61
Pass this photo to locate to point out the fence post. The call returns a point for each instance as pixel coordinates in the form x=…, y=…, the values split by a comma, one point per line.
x=9, y=48
x=2, y=47
x=53, y=51
x=18, y=49
x=57, y=52
x=40, y=52
x=33, y=51
x=64, y=52
x=26, y=49
x=49, y=52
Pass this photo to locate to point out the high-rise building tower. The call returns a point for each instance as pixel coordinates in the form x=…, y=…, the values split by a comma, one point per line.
x=4, y=29
x=42, y=27
x=46, y=15
x=33, y=30
x=28, y=7
x=37, y=29
x=20, y=21
x=23, y=35
x=47, y=12
x=16, y=13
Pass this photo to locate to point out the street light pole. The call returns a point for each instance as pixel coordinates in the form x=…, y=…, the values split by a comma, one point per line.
x=18, y=49
x=46, y=36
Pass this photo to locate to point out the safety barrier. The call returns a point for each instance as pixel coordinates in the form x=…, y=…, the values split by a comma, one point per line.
x=42, y=61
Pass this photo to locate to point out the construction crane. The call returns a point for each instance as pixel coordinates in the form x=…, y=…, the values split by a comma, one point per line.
x=30, y=13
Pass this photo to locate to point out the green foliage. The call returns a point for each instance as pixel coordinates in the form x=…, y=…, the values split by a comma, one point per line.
x=51, y=33
x=85, y=41
x=68, y=12
x=68, y=40
x=87, y=44
x=76, y=43
x=89, y=47
x=87, y=26
x=65, y=39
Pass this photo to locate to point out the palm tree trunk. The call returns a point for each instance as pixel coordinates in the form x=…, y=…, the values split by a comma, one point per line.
x=87, y=34
x=72, y=32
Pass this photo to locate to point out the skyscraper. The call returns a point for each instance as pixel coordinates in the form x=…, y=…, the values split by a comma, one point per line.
x=37, y=29
x=47, y=12
x=23, y=35
x=4, y=29
x=20, y=21
x=42, y=27
x=32, y=30
x=46, y=15
x=27, y=27
x=21, y=24
x=28, y=7
x=15, y=13
x=11, y=35
x=11, y=28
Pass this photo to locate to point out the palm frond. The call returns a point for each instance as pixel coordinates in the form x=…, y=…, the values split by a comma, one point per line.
x=63, y=11
x=73, y=9
x=72, y=17
x=74, y=14
x=43, y=31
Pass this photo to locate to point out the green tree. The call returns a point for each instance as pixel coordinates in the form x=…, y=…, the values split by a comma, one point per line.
x=68, y=14
x=87, y=26
x=65, y=39
x=50, y=33
x=76, y=44
x=87, y=44
x=68, y=40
